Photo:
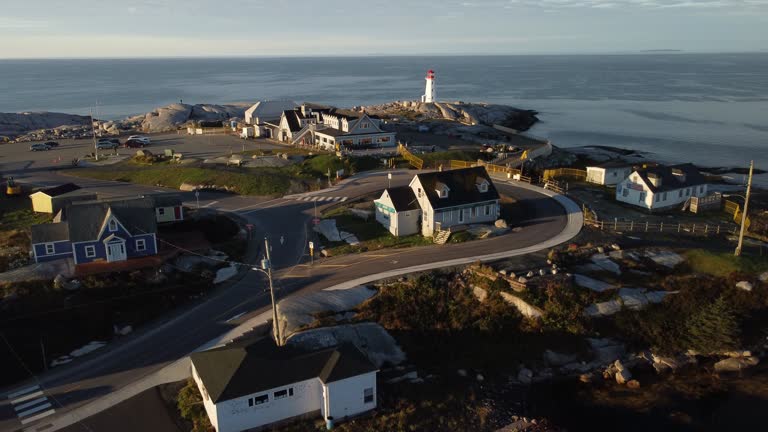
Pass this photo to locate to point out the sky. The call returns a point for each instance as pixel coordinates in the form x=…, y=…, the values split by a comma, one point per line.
x=205, y=28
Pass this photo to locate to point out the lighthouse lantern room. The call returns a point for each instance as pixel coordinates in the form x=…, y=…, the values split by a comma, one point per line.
x=429, y=92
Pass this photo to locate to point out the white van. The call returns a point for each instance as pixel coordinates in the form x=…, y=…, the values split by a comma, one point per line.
x=143, y=139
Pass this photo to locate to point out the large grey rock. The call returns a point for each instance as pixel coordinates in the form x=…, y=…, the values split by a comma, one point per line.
x=605, y=263
x=592, y=284
x=603, y=309
x=525, y=376
x=763, y=277
x=13, y=124
x=744, y=285
x=527, y=310
x=633, y=298
x=557, y=359
x=623, y=376
x=735, y=364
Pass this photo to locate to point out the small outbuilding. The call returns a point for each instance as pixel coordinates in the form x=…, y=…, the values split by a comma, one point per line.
x=252, y=385
x=53, y=199
x=398, y=211
x=609, y=173
x=168, y=208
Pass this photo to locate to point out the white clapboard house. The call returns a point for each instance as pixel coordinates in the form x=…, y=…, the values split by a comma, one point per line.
x=609, y=173
x=249, y=385
x=331, y=128
x=660, y=187
x=445, y=199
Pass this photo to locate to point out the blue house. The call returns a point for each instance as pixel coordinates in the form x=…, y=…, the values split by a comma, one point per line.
x=105, y=231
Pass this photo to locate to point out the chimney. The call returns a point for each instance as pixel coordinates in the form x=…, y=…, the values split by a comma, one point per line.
x=654, y=179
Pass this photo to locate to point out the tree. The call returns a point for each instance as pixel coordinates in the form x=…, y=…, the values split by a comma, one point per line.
x=712, y=329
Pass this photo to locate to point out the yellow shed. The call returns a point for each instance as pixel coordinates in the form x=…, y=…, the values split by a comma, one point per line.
x=51, y=200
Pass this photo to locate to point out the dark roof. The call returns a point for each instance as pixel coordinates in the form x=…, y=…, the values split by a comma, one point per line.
x=292, y=116
x=60, y=190
x=248, y=367
x=462, y=184
x=403, y=198
x=50, y=232
x=85, y=219
x=670, y=181
x=167, y=200
x=615, y=163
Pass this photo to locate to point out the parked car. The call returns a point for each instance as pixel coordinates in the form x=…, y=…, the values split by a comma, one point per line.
x=39, y=147
x=106, y=145
x=134, y=143
x=144, y=139
x=52, y=144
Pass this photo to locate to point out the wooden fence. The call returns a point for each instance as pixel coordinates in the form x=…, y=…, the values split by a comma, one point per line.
x=565, y=172
x=412, y=159
x=491, y=168
x=656, y=227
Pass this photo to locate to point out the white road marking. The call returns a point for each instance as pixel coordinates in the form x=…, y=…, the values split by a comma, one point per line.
x=34, y=410
x=336, y=198
x=27, y=397
x=37, y=417
x=209, y=204
x=343, y=199
x=236, y=317
x=315, y=198
x=31, y=403
x=22, y=391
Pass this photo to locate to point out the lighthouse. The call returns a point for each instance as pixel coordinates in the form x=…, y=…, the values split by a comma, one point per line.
x=429, y=92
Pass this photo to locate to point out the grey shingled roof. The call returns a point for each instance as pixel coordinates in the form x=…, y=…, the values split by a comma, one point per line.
x=167, y=200
x=50, y=232
x=86, y=219
x=670, y=181
x=292, y=117
x=462, y=184
x=248, y=367
x=60, y=190
x=403, y=198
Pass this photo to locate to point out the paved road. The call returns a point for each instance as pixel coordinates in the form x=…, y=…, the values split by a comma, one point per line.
x=156, y=346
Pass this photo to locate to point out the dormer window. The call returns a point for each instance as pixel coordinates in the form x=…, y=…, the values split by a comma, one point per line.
x=442, y=190
x=482, y=185
x=112, y=226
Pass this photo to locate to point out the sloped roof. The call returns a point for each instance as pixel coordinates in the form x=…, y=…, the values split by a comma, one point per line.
x=292, y=116
x=670, y=181
x=248, y=367
x=59, y=190
x=614, y=163
x=85, y=219
x=269, y=109
x=462, y=184
x=50, y=232
x=403, y=198
x=167, y=200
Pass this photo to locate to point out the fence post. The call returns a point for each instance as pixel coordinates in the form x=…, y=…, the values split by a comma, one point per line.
x=718, y=229
x=602, y=224
x=646, y=226
x=694, y=229
x=661, y=227
x=706, y=228
x=632, y=225
x=615, y=224
x=678, y=227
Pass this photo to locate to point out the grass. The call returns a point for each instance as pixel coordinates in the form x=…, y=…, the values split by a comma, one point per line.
x=16, y=217
x=262, y=181
x=371, y=234
x=723, y=263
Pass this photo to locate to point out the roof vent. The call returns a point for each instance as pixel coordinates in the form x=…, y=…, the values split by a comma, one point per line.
x=655, y=179
x=679, y=174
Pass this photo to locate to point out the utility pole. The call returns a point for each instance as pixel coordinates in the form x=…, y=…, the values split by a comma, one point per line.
x=93, y=133
x=268, y=264
x=744, y=211
x=42, y=350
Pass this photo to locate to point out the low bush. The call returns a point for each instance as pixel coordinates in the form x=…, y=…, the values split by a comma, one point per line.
x=190, y=405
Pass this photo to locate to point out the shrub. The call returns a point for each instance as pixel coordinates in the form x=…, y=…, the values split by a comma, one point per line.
x=712, y=329
x=190, y=405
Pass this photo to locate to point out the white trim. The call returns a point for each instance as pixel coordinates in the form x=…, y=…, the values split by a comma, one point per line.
x=143, y=243
x=86, y=251
x=53, y=248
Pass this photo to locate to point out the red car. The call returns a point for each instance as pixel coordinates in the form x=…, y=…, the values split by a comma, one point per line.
x=134, y=144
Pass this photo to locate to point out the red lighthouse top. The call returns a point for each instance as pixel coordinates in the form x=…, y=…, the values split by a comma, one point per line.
x=430, y=74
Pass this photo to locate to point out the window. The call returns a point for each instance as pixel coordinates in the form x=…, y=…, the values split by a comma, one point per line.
x=290, y=391
x=112, y=225
x=258, y=400
x=419, y=192
x=642, y=197
x=461, y=215
x=658, y=198
x=161, y=211
x=487, y=210
x=664, y=197
x=688, y=192
x=701, y=189
x=90, y=251
x=281, y=394
x=368, y=395
x=625, y=192
x=49, y=249
x=680, y=194
x=141, y=245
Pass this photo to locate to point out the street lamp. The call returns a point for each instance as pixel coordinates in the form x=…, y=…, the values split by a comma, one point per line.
x=266, y=268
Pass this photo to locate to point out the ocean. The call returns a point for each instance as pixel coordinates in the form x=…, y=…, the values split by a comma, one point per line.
x=708, y=109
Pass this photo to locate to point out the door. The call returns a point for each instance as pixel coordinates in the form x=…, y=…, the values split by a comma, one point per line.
x=116, y=252
x=177, y=213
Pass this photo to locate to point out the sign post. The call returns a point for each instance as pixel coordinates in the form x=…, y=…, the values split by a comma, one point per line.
x=389, y=180
x=197, y=197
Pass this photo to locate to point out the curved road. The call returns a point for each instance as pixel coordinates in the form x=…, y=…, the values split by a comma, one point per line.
x=86, y=386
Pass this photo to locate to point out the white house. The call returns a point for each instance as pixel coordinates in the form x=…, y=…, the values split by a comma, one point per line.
x=662, y=187
x=330, y=128
x=263, y=111
x=250, y=385
x=609, y=173
x=446, y=199
x=398, y=211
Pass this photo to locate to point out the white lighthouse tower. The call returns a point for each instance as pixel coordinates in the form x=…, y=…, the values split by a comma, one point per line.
x=429, y=92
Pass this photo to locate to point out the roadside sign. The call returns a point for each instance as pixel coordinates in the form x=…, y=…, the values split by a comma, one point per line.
x=316, y=221
x=389, y=176
x=197, y=193
x=311, y=245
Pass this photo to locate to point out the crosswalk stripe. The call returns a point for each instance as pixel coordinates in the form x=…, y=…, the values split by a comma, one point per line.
x=336, y=198
x=343, y=199
x=37, y=417
x=29, y=404
x=34, y=410
x=306, y=198
x=315, y=198
x=22, y=391
x=27, y=397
